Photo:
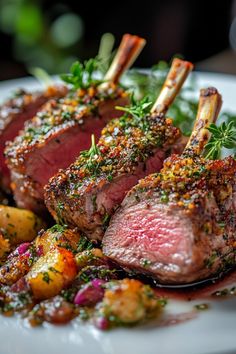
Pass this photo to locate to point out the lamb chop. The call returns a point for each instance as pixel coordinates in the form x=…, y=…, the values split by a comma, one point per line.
x=89, y=191
x=14, y=113
x=56, y=135
x=178, y=226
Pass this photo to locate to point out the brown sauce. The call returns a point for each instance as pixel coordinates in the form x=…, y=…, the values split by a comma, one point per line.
x=216, y=289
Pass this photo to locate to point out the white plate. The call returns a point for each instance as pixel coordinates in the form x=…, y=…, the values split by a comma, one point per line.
x=212, y=332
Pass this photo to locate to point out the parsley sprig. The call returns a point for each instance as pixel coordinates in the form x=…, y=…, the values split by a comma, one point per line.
x=223, y=136
x=93, y=151
x=82, y=75
x=91, y=156
x=138, y=109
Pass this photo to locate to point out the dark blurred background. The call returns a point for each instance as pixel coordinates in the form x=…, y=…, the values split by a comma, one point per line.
x=52, y=34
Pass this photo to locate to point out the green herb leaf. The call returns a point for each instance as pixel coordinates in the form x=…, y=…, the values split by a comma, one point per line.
x=46, y=277
x=222, y=136
x=137, y=108
x=91, y=156
x=84, y=244
x=183, y=110
x=58, y=228
x=82, y=74
x=94, y=150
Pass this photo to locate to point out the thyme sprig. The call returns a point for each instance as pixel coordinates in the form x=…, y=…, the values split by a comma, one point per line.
x=223, y=136
x=184, y=108
x=82, y=75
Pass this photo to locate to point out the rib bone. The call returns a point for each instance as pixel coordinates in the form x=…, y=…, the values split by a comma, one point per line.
x=128, y=51
x=209, y=106
x=176, y=77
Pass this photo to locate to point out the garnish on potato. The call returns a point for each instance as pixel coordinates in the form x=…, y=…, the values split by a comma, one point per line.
x=51, y=273
x=127, y=302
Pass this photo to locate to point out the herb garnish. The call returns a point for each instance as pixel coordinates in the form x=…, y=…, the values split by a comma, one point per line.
x=84, y=244
x=59, y=209
x=93, y=151
x=184, y=109
x=54, y=270
x=91, y=155
x=46, y=277
x=58, y=228
x=222, y=136
x=138, y=109
x=82, y=74
x=145, y=262
x=210, y=261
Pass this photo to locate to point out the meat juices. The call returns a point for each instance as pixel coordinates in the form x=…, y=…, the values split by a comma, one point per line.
x=87, y=193
x=57, y=134
x=178, y=226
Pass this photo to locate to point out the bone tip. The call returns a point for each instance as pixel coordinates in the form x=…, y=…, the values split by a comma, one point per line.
x=210, y=91
x=139, y=40
x=184, y=63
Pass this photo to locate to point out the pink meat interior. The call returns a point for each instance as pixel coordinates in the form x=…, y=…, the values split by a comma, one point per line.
x=153, y=232
x=65, y=146
x=60, y=152
x=113, y=193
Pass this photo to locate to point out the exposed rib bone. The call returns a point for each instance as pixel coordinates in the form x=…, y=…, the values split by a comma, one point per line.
x=128, y=51
x=176, y=77
x=209, y=106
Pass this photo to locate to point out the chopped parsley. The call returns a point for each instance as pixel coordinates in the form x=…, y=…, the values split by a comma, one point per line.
x=54, y=270
x=46, y=277
x=84, y=244
x=145, y=262
x=58, y=228
x=210, y=261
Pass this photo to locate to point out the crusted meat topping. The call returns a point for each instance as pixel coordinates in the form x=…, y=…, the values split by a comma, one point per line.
x=185, y=180
x=21, y=99
x=123, y=145
x=59, y=113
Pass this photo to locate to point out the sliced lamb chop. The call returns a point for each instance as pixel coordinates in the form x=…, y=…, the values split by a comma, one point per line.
x=56, y=135
x=14, y=113
x=179, y=225
x=90, y=190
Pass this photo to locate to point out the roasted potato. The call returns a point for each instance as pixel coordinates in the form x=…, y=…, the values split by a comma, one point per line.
x=19, y=225
x=14, y=269
x=57, y=236
x=4, y=246
x=128, y=301
x=51, y=273
x=19, y=263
